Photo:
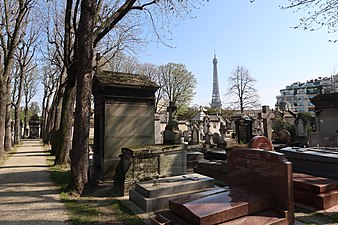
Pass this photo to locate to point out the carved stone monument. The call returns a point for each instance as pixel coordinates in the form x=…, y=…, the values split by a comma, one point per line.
x=172, y=135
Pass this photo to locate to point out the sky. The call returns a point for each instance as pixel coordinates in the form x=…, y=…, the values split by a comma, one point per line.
x=255, y=35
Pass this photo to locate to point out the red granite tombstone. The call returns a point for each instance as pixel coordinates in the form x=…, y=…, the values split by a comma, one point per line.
x=260, y=142
x=263, y=172
x=260, y=190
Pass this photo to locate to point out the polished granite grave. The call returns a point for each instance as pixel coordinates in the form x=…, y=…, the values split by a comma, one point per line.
x=318, y=192
x=260, y=192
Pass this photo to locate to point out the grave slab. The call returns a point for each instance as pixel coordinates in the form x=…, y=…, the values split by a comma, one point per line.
x=205, y=209
x=318, y=192
x=154, y=195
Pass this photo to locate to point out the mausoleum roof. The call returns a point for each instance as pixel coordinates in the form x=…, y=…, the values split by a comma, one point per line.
x=116, y=79
x=326, y=101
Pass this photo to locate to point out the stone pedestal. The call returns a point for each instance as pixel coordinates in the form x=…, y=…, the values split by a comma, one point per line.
x=147, y=163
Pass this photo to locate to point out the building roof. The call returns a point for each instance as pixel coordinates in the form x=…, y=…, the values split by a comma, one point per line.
x=325, y=101
x=116, y=79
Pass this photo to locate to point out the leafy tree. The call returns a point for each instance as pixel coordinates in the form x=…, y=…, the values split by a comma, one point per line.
x=178, y=84
x=187, y=113
x=242, y=89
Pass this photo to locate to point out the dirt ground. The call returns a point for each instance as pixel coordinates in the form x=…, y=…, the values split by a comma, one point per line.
x=27, y=195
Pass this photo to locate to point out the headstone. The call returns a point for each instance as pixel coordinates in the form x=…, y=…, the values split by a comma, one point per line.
x=260, y=142
x=195, y=135
x=222, y=139
x=283, y=137
x=243, y=130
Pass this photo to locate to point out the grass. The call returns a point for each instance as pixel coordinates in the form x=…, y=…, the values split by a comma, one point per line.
x=313, y=218
x=7, y=155
x=90, y=209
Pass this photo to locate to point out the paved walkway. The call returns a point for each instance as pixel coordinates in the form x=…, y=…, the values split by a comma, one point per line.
x=27, y=195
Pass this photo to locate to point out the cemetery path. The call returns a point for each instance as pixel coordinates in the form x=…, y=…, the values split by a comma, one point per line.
x=27, y=195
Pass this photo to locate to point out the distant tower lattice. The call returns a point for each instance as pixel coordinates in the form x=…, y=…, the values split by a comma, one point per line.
x=215, y=101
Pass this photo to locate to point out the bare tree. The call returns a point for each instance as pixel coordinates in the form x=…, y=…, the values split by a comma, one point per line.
x=88, y=37
x=178, y=84
x=50, y=82
x=242, y=89
x=29, y=90
x=319, y=14
x=24, y=56
x=12, y=22
x=129, y=64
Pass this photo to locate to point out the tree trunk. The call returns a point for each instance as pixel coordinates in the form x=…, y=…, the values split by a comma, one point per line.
x=17, y=127
x=8, y=128
x=65, y=131
x=83, y=57
x=26, y=121
x=3, y=103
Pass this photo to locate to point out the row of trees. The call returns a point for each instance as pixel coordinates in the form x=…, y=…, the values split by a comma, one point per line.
x=71, y=33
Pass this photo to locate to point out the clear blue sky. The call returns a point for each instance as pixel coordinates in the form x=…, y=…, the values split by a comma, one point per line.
x=255, y=35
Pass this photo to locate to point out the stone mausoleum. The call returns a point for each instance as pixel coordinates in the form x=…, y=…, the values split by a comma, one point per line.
x=124, y=106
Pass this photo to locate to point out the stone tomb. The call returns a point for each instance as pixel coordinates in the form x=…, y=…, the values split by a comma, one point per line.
x=315, y=176
x=318, y=192
x=154, y=195
x=148, y=163
x=260, y=192
x=124, y=107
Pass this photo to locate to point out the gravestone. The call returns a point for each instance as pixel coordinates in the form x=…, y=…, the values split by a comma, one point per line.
x=222, y=139
x=260, y=142
x=195, y=135
x=283, y=137
x=124, y=107
x=243, y=130
x=260, y=192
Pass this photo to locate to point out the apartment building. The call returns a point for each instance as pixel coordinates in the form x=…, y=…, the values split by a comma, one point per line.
x=296, y=97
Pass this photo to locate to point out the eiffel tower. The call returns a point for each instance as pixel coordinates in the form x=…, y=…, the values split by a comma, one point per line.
x=215, y=101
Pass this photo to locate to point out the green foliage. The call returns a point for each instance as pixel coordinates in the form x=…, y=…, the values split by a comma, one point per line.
x=178, y=84
x=278, y=124
x=187, y=113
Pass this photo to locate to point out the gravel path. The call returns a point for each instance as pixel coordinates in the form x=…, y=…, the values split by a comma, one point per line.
x=27, y=195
